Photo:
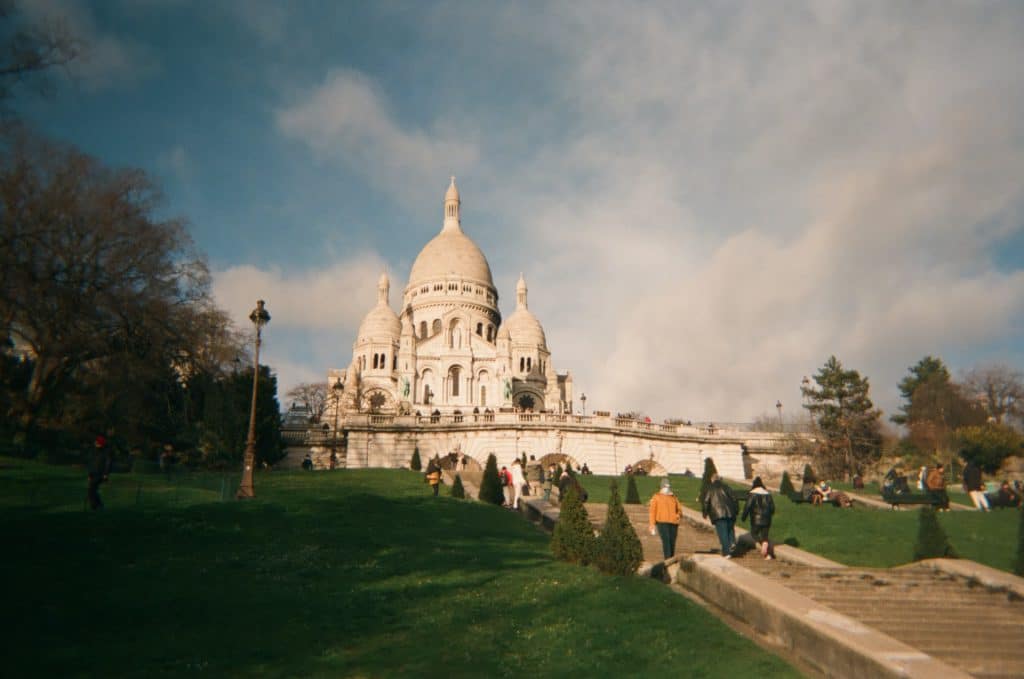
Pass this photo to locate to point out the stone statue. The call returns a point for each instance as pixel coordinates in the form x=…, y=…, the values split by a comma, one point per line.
x=405, y=387
x=508, y=388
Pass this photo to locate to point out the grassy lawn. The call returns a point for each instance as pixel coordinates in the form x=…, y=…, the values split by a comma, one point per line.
x=348, y=573
x=859, y=536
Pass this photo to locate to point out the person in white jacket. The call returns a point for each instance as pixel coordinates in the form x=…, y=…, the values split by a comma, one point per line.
x=517, y=483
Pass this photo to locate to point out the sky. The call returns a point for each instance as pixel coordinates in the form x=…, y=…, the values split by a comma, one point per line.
x=707, y=200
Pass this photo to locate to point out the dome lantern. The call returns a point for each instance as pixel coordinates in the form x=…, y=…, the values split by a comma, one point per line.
x=452, y=219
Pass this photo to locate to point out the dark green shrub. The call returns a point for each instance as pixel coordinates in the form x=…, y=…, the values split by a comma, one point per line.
x=705, y=480
x=932, y=542
x=1018, y=567
x=490, y=485
x=617, y=550
x=632, y=494
x=457, y=488
x=573, y=539
x=808, y=473
x=414, y=463
x=786, y=485
x=558, y=473
x=523, y=461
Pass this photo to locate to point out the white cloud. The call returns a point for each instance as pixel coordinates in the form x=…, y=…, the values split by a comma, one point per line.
x=347, y=119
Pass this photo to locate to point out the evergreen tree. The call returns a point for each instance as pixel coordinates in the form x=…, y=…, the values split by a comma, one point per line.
x=786, y=485
x=1018, y=567
x=929, y=369
x=490, y=485
x=705, y=481
x=414, y=463
x=558, y=473
x=632, y=494
x=573, y=538
x=457, y=489
x=932, y=542
x=847, y=421
x=523, y=461
x=808, y=474
x=617, y=550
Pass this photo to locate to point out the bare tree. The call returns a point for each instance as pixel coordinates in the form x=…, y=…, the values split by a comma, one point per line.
x=315, y=395
x=1000, y=390
x=87, y=273
x=32, y=49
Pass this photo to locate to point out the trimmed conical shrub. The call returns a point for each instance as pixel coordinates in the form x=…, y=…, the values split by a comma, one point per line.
x=632, y=494
x=414, y=463
x=558, y=473
x=573, y=538
x=617, y=550
x=786, y=485
x=522, y=460
x=808, y=473
x=490, y=485
x=457, y=489
x=705, y=481
x=1018, y=567
x=932, y=542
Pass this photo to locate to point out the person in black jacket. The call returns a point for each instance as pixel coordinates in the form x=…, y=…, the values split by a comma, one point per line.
x=99, y=471
x=760, y=508
x=720, y=507
x=973, y=484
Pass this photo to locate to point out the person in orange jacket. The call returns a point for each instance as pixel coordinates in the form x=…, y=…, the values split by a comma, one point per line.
x=665, y=512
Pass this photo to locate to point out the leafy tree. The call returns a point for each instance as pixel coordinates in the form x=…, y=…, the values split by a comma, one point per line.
x=932, y=542
x=632, y=494
x=847, y=422
x=989, y=444
x=786, y=485
x=224, y=403
x=705, y=480
x=457, y=488
x=415, y=464
x=1000, y=389
x=573, y=537
x=490, y=485
x=617, y=550
x=558, y=473
x=926, y=370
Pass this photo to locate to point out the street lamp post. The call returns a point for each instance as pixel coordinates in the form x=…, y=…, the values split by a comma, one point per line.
x=583, y=400
x=778, y=406
x=337, y=388
x=259, y=318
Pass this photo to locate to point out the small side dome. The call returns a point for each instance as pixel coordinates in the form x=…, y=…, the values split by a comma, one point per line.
x=381, y=324
x=523, y=327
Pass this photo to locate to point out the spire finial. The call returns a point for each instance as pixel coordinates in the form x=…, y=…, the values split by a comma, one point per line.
x=452, y=219
x=521, y=292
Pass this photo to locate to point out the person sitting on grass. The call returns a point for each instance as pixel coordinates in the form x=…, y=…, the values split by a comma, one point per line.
x=809, y=489
x=936, y=485
x=1006, y=496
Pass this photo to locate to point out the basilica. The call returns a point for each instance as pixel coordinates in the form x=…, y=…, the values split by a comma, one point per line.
x=449, y=352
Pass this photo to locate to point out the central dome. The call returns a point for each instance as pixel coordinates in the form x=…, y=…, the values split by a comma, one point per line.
x=451, y=253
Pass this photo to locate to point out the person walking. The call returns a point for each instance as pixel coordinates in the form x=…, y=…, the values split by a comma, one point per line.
x=973, y=484
x=506, y=484
x=433, y=474
x=549, y=481
x=936, y=485
x=534, y=475
x=665, y=513
x=99, y=471
x=720, y=508
x=760, y=508
x=518, y=481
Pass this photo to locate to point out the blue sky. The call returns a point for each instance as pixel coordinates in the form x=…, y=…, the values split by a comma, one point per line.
x=707, y=200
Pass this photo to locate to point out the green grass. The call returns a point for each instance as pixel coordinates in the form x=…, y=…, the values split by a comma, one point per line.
x=350, y=573
x=859, y=536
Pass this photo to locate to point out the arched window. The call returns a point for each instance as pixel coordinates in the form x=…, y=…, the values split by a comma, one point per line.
x=453, y=377
x=436, y=326
x=375, y=361
x=480, y=329
x=483, y=395
x=423, y=329
x=529, y=364
x=522, y=364
x=490, y=333
x=394, y=364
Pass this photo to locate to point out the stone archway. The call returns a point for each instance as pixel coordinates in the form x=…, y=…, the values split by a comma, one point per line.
x=650, y=468
x=558, y=459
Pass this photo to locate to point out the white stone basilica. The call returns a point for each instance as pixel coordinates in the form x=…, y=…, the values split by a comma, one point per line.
x=448, y=351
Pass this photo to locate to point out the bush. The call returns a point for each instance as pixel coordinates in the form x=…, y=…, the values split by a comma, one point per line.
x=1018, y=567
x=786, y=485
x=617, y=551
x=632, y=494
x=558, y=473
x=490, y=485
x=573, y=539
x=705, y=481
x=932, y=542
x=414, y=463
x=988, y=445
x=808, y=473
x=457, y=488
